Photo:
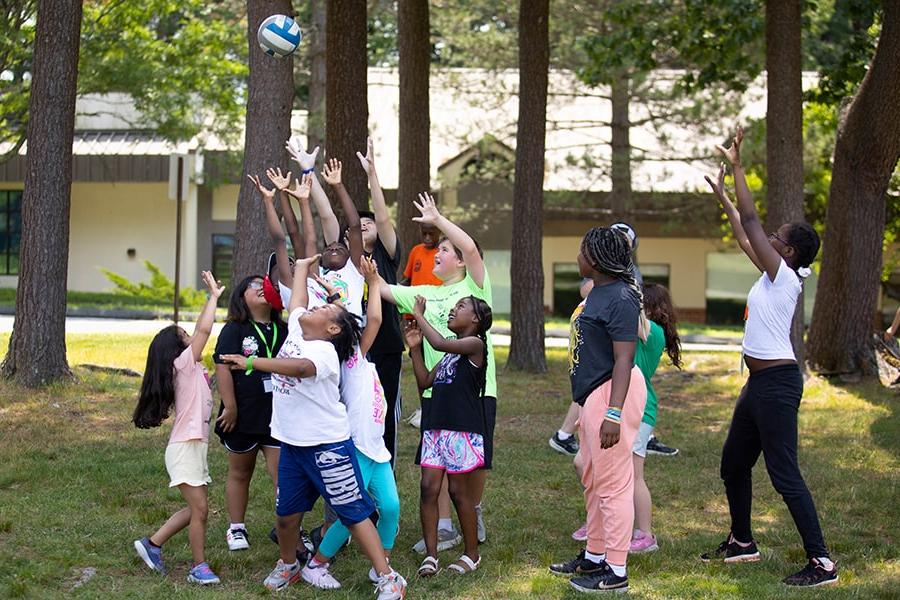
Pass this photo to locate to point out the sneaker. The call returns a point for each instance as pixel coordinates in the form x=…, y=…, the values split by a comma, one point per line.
x=447, y=538
x=732, y=552
x=580, y=534
x=150, y=554
x=237, y=539
x=415, y=419
x=654, y=446
x=306, y=540
x=568, y=446
x=373, y=574
x=642, y=543
x=391, y=587
x=319, y=576
x=482, y=530
x=603, y=581
x=282, y=576
x=578, y=566
x=203, y=575
x=812, y=575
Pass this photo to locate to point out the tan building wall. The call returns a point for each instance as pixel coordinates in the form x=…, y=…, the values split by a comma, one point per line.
x=224, y=202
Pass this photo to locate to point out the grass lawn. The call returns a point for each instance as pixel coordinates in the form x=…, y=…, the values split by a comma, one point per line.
x=78, y=483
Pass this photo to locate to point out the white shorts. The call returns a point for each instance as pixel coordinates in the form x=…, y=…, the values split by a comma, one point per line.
x=640, y=442
x=186, y=463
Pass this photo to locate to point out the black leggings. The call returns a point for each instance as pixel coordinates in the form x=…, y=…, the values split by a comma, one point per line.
x=765, y=420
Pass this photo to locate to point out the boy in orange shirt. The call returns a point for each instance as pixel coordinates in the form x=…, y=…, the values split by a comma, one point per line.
x=420, y=265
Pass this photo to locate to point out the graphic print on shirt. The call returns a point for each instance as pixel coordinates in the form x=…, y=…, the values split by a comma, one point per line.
x=575, y=338
x=379, y=405
x=250, y=346
x=339, y=477
x=446, y=369
x=283, y=384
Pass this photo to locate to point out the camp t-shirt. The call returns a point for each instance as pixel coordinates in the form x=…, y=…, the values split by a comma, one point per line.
x=347, y=281
x=308, y=411
x=610, y=315
x=389, y=339
x=646, y=358
x=193, y=399
x=254, y=404
x=439, y=300
x=362, y=394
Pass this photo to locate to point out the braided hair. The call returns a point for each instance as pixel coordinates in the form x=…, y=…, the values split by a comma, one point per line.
x=348, y=338
x=609, y=252
x=485, y=320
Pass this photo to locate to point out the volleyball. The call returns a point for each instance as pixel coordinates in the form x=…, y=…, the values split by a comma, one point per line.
x=279, y=35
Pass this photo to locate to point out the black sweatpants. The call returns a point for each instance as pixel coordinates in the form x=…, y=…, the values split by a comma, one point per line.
x=388, y=368
x=765, y=420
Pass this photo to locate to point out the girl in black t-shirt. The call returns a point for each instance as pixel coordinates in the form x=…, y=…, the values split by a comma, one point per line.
x=254, y=328
x=453, y=421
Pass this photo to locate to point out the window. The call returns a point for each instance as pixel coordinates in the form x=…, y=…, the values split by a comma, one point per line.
x=655, y=273
x=566, y=288
x=222, y=255
x=10, y=230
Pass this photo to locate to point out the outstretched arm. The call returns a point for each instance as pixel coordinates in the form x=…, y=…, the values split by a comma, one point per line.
x=291, y=367
x=301, y=191
x=203, y=328
x=454, y=233
x=332, y=173
x=386, y=232
x=275, y=231
x=299, y=291
x=369, y=269
x=282, y=182
x=470, y=346
x=424, y=377
x=718, y=188
x=307, y=162
x=768, y=258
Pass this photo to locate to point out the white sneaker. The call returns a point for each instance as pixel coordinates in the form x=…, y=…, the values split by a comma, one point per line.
x=415, y=419
x=237, y=539
x=319, y=576
x=373, y=574
x=447, y=538
x=391, y=587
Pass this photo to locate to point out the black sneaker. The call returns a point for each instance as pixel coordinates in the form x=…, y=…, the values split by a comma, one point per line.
x=302, y=555
x=577, y=566
x=654, y=446
x=812, y=575
x=732, y=552
x=604, y=581
x=568, y=446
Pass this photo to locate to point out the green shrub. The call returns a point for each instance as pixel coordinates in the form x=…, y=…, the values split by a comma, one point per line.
x=160, y=290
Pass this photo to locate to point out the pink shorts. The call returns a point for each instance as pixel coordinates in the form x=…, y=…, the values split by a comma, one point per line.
x=454, y=451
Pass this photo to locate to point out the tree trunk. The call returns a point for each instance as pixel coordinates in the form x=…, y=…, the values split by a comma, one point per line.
x=526, y=270
x=621, y=146
x=865, y=155
x=414, y=44
x=37, y=348
x=268, y=125
x=784, y=130
x=315, y=124
x=346, y=100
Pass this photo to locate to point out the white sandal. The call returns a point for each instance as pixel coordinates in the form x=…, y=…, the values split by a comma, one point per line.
x=429, y=567
x=470, y=565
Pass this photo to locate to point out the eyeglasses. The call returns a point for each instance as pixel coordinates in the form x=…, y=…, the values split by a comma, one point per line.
x=255, y=285
x=774, y=236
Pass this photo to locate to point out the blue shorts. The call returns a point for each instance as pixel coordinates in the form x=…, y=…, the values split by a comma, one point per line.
x=327, y=470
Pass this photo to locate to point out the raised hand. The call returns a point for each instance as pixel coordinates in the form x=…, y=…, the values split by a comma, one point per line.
x=733, y=154
x=718, y=187
x=281, y=181
x=419, y=308
x=369, y=269
x=332, y=172
x=329, y=289
x=428, y=208
x=367, y=161
x=266, y=193
x=306, y=160
x=413, y=335
x=215, y=287
x=301, y=188
x=306, y=262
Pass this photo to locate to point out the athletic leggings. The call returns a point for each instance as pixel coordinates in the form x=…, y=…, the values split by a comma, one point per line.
x=765, y=420
x=608, y=476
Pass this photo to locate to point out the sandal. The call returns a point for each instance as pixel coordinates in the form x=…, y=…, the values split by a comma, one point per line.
x=467, y=566
x=429, y=567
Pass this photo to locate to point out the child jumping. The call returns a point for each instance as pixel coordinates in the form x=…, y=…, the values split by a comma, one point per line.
x=453, y=422
x=174, y=377
x=318, y=457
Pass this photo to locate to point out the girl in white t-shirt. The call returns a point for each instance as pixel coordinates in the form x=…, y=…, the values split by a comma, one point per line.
x=175, y=377
x=318, y=457
x=765, y=416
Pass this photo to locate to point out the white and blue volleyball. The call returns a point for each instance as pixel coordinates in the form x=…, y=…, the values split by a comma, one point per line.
x=279, y=35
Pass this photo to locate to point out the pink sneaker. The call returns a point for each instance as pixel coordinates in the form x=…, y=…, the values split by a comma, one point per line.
x=580, y=534
x=642, y=543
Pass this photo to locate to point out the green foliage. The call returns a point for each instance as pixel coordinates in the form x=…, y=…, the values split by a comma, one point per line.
x=160, y=289
x=16, y=39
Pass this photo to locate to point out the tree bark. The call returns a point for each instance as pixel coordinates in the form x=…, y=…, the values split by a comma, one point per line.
x=315, y=124
x=346, y=100
x=865, y=155
x=267, y=125
x=37, y=348
x=621, y=146
x=526, y=269
x=414, y=45
x=784, y=130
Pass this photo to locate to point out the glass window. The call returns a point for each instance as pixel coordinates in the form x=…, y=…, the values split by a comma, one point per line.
x=566, y=286
x=222, y=255
x=655, y=273
x=10, y=231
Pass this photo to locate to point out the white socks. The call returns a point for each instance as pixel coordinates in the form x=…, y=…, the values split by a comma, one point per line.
x=826, y=562
x=594, y=557
x=445, y=524
x=562, y=435
x=234, y=526
x=619, y=570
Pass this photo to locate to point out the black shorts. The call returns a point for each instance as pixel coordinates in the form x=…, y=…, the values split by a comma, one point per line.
x=241, y=443
x=490, y=418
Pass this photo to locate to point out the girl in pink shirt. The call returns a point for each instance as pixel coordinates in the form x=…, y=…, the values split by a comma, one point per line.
x=175, y=376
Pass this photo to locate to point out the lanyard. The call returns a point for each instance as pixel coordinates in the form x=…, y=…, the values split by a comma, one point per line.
x=269, y=348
